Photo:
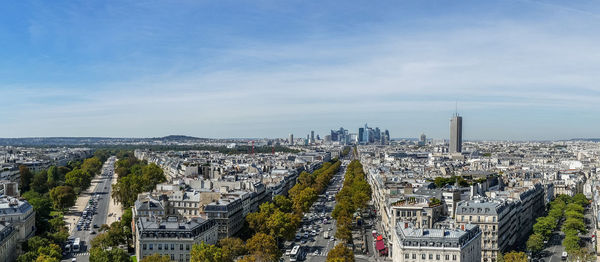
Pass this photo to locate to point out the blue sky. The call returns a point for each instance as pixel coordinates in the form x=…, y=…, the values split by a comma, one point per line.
x=518, y=69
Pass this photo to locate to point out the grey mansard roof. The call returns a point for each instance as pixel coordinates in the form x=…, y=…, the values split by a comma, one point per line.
x=433, y=237
x=11, y=206
x=482, y=207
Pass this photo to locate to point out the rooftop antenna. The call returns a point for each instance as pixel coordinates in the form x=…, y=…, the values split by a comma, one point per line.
x=456, y=109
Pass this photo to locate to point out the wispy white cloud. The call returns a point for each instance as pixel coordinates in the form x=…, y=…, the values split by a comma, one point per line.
x=497, y=70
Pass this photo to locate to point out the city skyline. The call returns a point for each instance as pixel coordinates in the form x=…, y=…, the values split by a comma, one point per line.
x=520, y=70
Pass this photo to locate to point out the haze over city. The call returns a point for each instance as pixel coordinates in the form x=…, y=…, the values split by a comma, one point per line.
x=518, y=69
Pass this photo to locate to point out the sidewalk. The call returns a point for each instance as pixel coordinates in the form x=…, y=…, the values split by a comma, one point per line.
x=114, y=207
x=73, y=213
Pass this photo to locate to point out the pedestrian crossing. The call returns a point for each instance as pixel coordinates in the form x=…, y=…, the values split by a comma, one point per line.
x=82, y=254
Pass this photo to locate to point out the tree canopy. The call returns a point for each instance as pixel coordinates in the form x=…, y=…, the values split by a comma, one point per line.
x=514, y=256
x=62, y=197
x=340, y=253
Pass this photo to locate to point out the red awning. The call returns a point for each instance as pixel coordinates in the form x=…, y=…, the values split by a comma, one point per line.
x=379, y=245
x=384, y=251
x=379, y=238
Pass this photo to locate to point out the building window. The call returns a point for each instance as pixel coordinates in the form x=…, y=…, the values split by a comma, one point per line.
x=422, y=256
x=453, y=257
x=159, y=246
x=437, y=257
x=151, y=246
x=407, y=256
x=173, y=248
x=180, y=246
x=144, y=247
x=187, y=247
x=414, y=256
x=172, y=256
x=447, y=257
x=431, y=256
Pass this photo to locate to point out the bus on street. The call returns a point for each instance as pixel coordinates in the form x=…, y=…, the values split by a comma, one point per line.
x=76, y=245
x=296, y=254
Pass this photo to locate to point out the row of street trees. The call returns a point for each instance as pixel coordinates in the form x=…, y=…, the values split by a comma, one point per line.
x=275, y=221
x=134, y=177
x=50, y=192
x=260, y=247
x=354, y=196
x=105, y=246
x=574, y=225
x=570, y=208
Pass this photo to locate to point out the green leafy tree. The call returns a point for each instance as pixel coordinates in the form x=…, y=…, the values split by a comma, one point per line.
x=574, y=224
x=283, y=203
x=127, y=188
x=574, y=215
x=40, y=182
x=59, y=237
x=52, y=251
x=206, y=253
x=113, y=255
x=303, y=201
x=74, y=164
x=571, y=243
x=580, y=199
x=78, y=178
x=282, y=225
x=514, y=256
x=46, y=258
x=53, y=177
x=258, y=220
x=153, y=175
x=62, y=197
x=344, y=232
x=232, y=247
x=42, y=207
x=340, y=253
x=305, y=179
x=263, y=247
x=156, y=258
x=92, y=165
x=62, y=172
x=58, y=231
x=102, y=154
x=544, y=226
x=573, y=207
x=535, y=243
x=35, y=242
x=26, y=178
x=28, y=257
x=126, y=218
x=564, y=198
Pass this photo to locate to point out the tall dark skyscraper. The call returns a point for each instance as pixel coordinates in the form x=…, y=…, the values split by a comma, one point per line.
x=361, y=133
x=456, y=134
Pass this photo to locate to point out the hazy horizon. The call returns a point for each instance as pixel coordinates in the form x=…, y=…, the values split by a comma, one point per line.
x=519, y=70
